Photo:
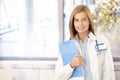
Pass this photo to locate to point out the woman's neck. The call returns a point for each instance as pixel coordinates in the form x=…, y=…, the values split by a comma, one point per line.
x=83, y=36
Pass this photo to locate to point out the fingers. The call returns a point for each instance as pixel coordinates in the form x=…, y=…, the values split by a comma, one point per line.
x=80, y=59
x=78, y=55
x=76, y=61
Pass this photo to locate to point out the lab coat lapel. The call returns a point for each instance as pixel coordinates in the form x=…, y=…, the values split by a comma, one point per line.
x=93, y=56
x=91, y=53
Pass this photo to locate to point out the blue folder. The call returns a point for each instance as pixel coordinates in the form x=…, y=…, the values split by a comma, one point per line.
x=68, y=49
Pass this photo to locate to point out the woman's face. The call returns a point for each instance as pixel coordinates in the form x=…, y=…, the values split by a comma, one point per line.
x=81, y=23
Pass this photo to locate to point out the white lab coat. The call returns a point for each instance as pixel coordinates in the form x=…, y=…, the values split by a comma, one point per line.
x=102, y=67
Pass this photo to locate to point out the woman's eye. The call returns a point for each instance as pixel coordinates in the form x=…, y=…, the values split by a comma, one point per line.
x=76, y=20
x=84, y=19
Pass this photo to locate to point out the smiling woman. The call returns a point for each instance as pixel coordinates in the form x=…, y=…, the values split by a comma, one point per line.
x=81, y=23
x=96, y=63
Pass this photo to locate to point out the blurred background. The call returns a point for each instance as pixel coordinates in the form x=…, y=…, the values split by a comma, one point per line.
x=30, y=31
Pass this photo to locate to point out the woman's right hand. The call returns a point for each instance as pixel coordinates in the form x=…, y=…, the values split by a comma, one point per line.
x=76, y=61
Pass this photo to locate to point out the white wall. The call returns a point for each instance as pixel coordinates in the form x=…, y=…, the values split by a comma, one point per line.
x=27, y=70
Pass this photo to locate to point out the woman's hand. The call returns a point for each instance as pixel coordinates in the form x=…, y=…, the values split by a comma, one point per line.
x=76, y=61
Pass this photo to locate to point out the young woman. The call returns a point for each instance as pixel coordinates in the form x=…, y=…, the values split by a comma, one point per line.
x=95, y=55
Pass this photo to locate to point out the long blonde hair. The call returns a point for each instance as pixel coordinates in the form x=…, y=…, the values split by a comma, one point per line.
x=76, y=10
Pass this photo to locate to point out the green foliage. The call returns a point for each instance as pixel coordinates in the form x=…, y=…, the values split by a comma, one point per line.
x=105, y=16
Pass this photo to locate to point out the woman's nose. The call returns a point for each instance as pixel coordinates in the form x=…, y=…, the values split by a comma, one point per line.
x=80, y=23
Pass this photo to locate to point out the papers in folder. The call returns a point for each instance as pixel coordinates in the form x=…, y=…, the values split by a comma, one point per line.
x=68, y=49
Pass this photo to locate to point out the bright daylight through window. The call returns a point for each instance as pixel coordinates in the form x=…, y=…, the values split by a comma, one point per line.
x=29, y=28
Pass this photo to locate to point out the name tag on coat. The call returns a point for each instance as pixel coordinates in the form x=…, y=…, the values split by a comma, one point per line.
x=100, y=47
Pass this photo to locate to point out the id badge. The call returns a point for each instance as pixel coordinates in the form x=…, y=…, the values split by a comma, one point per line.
x=100, y=47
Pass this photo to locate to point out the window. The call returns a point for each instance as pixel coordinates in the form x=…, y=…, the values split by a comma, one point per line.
x=29, y=28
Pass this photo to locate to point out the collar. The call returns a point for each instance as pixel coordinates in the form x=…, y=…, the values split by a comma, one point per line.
x=91, y=36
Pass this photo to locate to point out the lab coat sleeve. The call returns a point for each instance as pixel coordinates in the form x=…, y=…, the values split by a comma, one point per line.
x=62, y=72
x=108, y=66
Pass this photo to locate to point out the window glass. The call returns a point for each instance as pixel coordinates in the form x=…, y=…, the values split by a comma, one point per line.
x=29, y=28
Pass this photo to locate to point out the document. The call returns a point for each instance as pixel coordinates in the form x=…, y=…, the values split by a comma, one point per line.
x=68, y=49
